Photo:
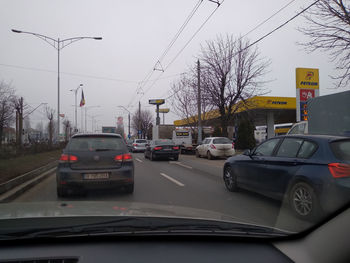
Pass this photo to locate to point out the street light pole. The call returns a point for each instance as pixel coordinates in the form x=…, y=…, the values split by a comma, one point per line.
x=86, y=108
x=58, y=45
x=76, y=110
x=129, y=135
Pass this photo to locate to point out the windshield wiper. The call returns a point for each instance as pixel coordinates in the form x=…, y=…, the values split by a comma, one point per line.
x=150, y=226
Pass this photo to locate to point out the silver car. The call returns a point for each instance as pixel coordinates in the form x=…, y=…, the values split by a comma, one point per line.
x=139, y=145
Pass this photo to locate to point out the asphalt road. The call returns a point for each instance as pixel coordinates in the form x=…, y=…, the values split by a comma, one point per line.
x=189, y=182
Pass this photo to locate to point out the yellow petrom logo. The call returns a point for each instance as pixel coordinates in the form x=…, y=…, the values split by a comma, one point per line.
x=307, y=78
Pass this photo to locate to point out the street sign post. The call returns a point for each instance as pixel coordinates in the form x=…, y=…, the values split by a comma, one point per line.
x=157, y=102
x=307, y=87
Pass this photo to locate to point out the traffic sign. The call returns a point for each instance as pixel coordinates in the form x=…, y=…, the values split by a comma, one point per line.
x=156, y=101
x=163, y=110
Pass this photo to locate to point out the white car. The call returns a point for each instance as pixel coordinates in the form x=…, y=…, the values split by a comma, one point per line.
x=215, y=147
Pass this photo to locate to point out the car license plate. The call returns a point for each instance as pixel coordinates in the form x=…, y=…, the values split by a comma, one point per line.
x=96, y=176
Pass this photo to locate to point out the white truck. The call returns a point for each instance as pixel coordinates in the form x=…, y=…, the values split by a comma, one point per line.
x=328, y=115
x=183, y=138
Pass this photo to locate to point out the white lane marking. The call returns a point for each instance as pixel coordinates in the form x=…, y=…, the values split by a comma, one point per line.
x=184, y=165
x=137, y=159
x=172, y=179
x=181, y=164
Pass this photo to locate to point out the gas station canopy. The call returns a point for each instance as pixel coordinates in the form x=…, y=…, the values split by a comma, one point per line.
x=263, y=110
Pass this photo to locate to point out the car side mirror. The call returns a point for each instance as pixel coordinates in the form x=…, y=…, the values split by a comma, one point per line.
x=247, y=152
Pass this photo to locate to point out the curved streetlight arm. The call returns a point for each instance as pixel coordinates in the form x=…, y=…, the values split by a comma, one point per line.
x=57, y=44
x=43, y=37
x=75, y=39
x=120, y=106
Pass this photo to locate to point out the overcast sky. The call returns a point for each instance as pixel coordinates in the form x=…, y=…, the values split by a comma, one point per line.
x=135, y=34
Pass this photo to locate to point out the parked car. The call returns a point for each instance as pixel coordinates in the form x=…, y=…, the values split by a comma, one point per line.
x=312, y=172
x=129, y=144
x=162, y=149
x=92, y=161
x=138, y=145
x=213, y=147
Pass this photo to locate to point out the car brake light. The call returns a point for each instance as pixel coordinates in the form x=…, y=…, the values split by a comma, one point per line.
x=123, y=157
x=157, y=148
x=65, y=158
x=212, y=146
x=135, y=144
x=339, y=170
x=176, y=147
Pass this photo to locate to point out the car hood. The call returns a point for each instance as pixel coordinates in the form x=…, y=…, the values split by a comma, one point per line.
x=104, y=208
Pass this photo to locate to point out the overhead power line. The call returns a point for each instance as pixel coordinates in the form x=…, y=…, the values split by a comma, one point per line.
x=167, y=49
x=266, y=35
x=67, y=73
x=186, y=44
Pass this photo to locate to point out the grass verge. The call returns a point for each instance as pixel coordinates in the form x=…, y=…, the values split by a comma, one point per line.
x=11, y=168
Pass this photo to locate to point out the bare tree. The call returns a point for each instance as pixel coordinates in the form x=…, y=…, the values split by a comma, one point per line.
x=50, y=127
x=40, y=127
x=146, y=121
x=185, y=99
x=67, y=128
x=328, y=28
x=6, y=107
x=232, y=72
x=27, y=125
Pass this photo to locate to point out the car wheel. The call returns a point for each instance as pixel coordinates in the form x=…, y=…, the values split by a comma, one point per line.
x=129, y=188
x=61, y=192
x=209, y=156
x=303, y=201
x=176, y=158
x=197, y=154
x=230, y=180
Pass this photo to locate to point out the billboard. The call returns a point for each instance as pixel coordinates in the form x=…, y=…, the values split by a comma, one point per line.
x=307, y=87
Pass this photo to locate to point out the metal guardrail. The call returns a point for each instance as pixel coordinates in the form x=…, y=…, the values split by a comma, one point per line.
x=4, y=187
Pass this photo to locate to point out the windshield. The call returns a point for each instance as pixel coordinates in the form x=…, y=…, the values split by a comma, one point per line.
x=175, y=110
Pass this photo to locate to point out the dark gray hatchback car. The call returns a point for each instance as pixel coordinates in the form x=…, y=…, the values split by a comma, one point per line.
x=95, y=161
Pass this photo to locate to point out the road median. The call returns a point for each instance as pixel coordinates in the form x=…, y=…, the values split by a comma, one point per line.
x=13, y=188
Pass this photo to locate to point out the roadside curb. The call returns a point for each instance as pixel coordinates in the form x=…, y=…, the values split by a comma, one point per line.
x=15, y=187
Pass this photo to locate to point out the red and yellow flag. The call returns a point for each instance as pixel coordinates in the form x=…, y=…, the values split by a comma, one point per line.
x=82, y=101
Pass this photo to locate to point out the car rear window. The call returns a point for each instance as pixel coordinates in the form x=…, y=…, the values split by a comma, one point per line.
x=222, y=141
x=141, y=141
x=94, y=143
x=341, y=150
x=164, y=142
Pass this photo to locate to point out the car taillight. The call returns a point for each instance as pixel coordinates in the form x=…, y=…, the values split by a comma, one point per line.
x=339, y=170
x=212, y=146
x=65, y=158
x=135, y=144
x=126, y=157
x=157, y=148
x=233, y=145
x=176, y=147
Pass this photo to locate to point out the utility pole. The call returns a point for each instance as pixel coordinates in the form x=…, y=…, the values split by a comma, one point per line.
x=129, y=126
x=139, y=131
x=199, y=104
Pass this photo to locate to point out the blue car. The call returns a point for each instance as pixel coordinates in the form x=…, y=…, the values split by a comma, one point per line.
x=310, y=172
